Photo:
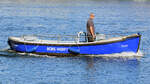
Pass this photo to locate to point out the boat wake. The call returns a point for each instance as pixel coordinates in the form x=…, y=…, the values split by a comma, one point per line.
x=28, y=54
x=128, y=55
x=11, y=53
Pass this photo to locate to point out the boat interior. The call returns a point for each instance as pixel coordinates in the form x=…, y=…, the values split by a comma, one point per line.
x=68, y=39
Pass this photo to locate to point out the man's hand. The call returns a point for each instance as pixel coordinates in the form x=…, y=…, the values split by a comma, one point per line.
x=94, y=36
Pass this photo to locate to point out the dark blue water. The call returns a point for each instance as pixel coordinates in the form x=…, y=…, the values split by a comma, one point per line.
x=69, y=17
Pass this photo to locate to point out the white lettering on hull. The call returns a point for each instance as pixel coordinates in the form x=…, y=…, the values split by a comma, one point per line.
x=56, y=49
x=124, y=45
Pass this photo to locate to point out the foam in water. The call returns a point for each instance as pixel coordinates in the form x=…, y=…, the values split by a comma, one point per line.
x=131, y=55
x=139, y=54
x=128, y=55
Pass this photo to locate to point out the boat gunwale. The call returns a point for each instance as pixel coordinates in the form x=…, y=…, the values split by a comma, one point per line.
x=79, y=44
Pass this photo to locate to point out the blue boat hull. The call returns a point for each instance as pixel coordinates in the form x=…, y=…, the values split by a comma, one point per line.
x=130, y=44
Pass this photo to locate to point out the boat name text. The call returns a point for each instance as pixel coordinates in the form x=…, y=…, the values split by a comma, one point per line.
x=56, y=49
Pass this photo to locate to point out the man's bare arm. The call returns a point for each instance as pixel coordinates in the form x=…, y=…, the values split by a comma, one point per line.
x=92, y=31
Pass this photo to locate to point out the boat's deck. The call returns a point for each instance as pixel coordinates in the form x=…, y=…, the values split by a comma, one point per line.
x=39, y=41
x=19, y=39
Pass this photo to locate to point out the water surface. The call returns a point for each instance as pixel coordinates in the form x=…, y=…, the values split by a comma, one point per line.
x=69, y=17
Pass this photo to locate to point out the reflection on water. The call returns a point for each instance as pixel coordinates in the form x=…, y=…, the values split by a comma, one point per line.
x=101, y=70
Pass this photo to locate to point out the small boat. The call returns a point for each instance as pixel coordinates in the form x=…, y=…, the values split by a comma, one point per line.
x=59, y=46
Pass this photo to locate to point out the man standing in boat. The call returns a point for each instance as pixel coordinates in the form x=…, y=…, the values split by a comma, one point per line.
x=91, y=29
